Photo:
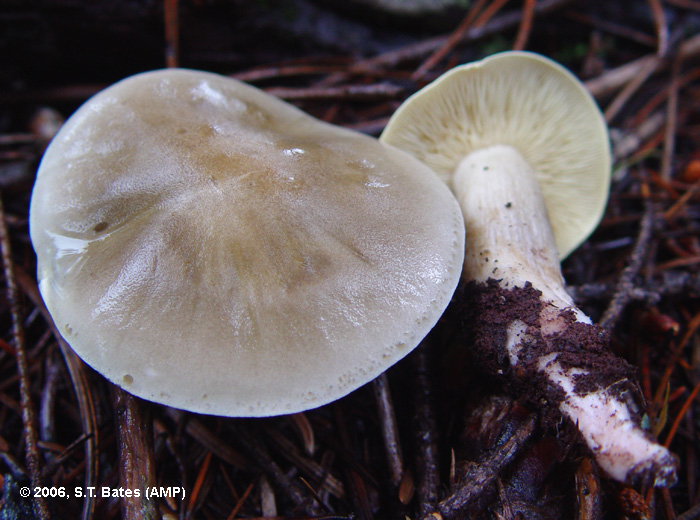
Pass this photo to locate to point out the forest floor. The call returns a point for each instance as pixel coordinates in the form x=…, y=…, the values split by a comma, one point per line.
x=353, y=67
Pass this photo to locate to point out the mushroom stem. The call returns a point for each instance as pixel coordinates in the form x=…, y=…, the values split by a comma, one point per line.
x=510, y=238
x=543, y=334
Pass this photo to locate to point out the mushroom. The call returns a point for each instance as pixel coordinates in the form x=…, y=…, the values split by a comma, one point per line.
x=526, y=151
x=207, y=246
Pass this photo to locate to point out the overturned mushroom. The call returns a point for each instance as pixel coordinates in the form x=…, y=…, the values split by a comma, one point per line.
x=207, y=246
x=526, y=151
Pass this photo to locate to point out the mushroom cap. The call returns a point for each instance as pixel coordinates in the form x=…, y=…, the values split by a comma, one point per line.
x=526, y=101
x=207, y=246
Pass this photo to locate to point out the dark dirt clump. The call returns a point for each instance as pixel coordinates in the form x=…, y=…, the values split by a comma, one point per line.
x=488, y=311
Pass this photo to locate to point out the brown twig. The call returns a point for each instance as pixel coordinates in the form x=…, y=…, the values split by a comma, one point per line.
x=32, y=458
x=681, y=413
x=241, y=501
x=308, y=466
x=172, y=33
x=644, y=72
x=488, y=13
x=47, y=419
x=425, y=47
x=137, y=468
x=611, y=27
x=588, y=492
x=284, y=71
x=626, y=285
x=355, y=484
x=682, y=201
x=628, y=143
x=390, y=429
x=525, y=25
x=671, y=120
x=427, y=456
x=612, y=80
x=480, y=476
x=452, y=40
x=76, y=371
x=210, y=441
x=675, y=355
x=661, y=25
x=86, y=406
x=195, y=495
x=691, y=514
x=258, y=452
x=693, y=5
x=345, y=92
